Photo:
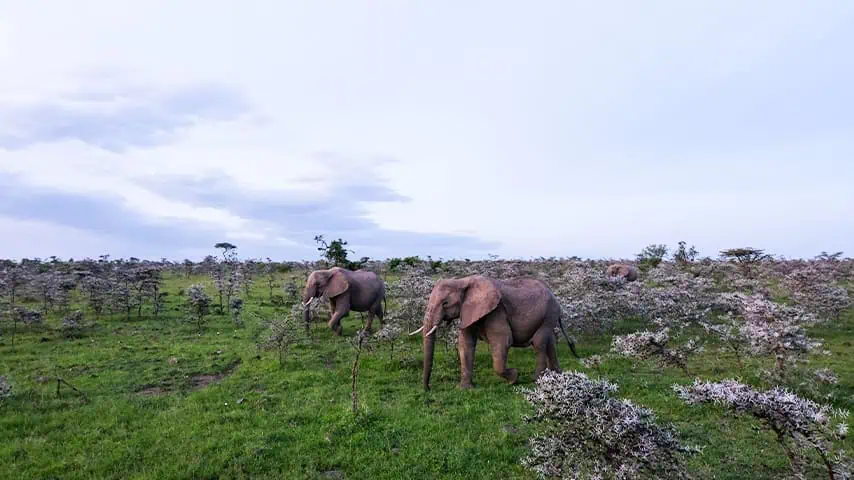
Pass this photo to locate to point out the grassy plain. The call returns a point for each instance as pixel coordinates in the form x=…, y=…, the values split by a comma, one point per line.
x=141, y=417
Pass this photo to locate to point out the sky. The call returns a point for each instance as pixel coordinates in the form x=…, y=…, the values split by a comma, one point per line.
x=453, y=129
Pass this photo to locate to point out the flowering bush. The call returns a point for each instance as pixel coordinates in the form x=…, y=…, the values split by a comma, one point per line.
x=646, y=344
x=801, y=425
x=585, y=433
x=72, y=325
x=198, y=303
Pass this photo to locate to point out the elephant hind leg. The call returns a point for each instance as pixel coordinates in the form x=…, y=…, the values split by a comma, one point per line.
x=544, y=343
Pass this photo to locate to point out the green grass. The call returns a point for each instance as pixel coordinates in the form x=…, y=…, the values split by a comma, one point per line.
x=296, y=422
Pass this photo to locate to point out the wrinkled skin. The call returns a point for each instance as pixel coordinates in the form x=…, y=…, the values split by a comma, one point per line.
x=359, y=291
x=627, y=272
x=506, y=313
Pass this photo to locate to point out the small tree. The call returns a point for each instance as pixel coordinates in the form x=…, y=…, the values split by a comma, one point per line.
x=684, y=256
x=198, y=303
x=360, y=342
x=283, y=332
x=746, y=257
x=227, y=250
x=335, y=252
x=651, y=256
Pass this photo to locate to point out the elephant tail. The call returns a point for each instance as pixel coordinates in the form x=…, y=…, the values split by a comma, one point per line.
x=568, y=340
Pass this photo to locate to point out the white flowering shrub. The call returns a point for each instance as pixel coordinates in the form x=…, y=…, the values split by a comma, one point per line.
x=73, y=325
x=5, y=388
x=814, y=289
x=801, y=426
x=584, y=433
x=775, y=329
x=648, y=344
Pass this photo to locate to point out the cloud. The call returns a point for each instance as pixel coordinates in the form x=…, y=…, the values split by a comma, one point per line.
x=561, y=128
x=115, y=118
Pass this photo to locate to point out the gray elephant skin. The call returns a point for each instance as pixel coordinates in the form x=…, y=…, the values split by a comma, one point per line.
x=628, y=272
x=359, y=291
x=505, y=313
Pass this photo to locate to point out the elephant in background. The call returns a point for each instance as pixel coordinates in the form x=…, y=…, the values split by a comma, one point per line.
x=520, y=312
x=360, y=291
x=628, y=272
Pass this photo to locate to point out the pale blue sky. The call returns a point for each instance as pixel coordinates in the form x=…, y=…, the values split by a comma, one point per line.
x=452, y=129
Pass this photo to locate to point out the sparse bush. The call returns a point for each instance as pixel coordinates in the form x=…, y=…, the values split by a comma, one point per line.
x=587, y=434
x=644, y=345
x=198, y=303
x=5, y=388
x=283, y=332
x=72, y=325
x=800, y=425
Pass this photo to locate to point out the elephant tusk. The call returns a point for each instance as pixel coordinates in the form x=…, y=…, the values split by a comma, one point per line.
x=422, y=328
x=431, y=331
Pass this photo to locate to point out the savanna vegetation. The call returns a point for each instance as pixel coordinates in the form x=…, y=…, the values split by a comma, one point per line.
x=734, y=367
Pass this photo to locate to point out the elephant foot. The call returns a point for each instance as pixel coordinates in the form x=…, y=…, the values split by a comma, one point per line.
x=465, y=386
x=511, y=375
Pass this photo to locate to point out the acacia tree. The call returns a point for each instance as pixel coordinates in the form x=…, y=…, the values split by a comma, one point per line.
x=746, y=257
x=334, y=252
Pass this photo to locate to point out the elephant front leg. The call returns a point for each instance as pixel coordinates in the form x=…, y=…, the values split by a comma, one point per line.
x=499, y=352
x=341, y=307
x=466, y=345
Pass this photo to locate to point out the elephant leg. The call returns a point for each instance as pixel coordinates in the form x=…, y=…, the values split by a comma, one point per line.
x=466, y=345
x=341, y=309
x=544, y=344
x=499, y=351
x=379, y=312
x=370, y=321
x=497, y=331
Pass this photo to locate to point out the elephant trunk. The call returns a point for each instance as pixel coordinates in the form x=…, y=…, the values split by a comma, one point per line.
x=429, y=345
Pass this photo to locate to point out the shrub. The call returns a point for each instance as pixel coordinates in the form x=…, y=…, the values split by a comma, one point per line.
x=651, y=256
x=800, y=425
x=587, y=434
x=198, y=303
x=72, y=325
x=646, y=344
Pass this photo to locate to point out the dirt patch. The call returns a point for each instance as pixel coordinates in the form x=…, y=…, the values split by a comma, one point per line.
x=152, y=391
x=198, y=382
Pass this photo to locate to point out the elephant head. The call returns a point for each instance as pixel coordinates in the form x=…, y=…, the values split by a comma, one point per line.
x=331, y=282
x=469, y=299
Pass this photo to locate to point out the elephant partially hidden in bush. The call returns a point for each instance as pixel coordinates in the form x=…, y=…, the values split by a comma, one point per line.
x=360, y=291
x=506, y=313
x=628, y=272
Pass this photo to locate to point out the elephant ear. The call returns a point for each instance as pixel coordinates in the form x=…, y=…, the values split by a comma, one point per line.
x=337, y=285
x=481, y=297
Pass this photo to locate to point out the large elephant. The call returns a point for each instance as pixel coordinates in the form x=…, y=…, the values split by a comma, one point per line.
x=506, y=313
x=628, y=272
x=360, y=291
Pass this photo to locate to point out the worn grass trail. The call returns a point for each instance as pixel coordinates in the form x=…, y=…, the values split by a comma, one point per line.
x=144, y=417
